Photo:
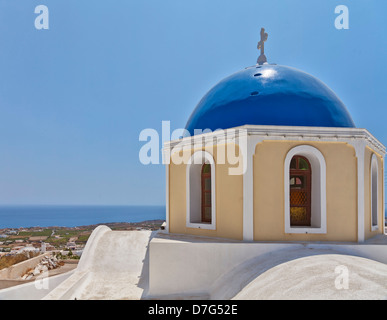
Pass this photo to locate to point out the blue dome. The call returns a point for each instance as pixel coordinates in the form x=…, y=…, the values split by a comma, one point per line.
x=269, y=95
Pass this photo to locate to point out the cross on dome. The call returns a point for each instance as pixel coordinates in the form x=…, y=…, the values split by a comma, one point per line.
x=261, y=46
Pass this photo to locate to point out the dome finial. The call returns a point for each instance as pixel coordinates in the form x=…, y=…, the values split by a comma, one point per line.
x=261, y=46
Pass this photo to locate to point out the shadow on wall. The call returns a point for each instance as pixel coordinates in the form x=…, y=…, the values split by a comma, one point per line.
x=144, y=277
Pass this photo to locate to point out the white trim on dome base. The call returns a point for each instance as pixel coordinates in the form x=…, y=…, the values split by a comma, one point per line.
x=349, y=135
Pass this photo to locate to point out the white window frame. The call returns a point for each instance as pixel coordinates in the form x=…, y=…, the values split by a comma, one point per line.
x=374, y=186
x=193, y=190
x=318, y=206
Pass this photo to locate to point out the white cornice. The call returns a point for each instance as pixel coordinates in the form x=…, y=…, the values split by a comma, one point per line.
x=349, y=135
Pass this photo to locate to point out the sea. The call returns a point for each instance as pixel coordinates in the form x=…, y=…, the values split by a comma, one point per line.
x=74, y=216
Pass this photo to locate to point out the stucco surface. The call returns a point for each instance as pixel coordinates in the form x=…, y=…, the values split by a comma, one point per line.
x=341, y=191
x=229, y=196
x=367, y=193
x=114, y=267
x=147, y=265
x=320, y=277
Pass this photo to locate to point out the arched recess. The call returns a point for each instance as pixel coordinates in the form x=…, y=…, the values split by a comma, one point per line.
x=318, y=223
x=197, y=189
x=374, y=193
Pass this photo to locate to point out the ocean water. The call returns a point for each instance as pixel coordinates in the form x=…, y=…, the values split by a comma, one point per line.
x=72, y=216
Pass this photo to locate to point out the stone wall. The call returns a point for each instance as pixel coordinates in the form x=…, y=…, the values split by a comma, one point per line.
x=18, y=270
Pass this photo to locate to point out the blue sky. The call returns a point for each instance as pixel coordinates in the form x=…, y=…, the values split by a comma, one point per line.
x=74, y=98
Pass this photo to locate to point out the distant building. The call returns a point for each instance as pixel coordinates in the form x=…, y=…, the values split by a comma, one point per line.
x=16, y=249
x=71, y=245
x=49, y=247
x=28, y=249
x=21, y=249
x=46, y=247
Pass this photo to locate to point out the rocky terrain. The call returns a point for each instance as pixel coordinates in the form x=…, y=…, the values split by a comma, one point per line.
x=47, y=263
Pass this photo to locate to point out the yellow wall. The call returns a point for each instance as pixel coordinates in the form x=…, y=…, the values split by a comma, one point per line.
x=341, y=167
x=229, y=197
x=268, y=193
x=367, y=192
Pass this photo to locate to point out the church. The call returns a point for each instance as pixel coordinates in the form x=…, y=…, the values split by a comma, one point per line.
x=307, y=173
x=272, y=193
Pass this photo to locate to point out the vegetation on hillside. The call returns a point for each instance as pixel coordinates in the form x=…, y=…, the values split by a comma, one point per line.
x=7, y=261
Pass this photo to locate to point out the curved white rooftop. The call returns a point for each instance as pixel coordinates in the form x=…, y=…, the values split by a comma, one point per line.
x=116, y=265
x=320, y=277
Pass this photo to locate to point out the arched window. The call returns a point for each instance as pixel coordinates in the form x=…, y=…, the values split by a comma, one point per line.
x=206, y=193
x=300, y=191
x=305, y=190
x=374, y=193
x=200, y=186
